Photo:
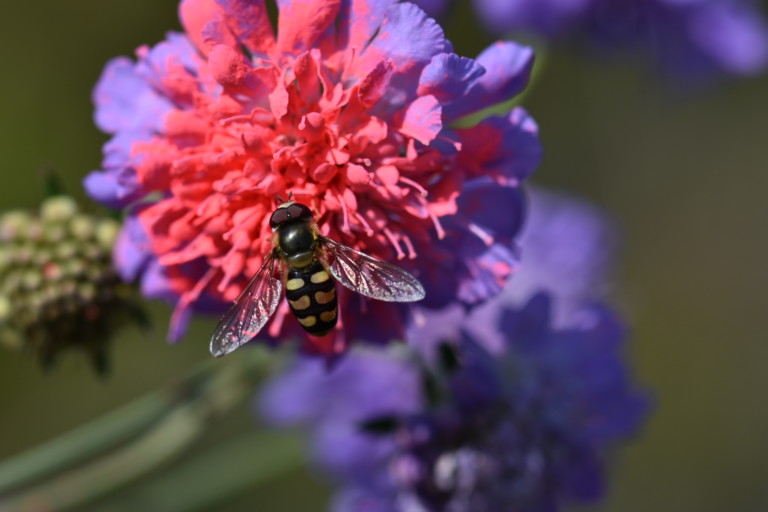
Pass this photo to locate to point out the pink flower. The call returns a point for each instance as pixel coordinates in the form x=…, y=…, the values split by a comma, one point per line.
x=348, y=108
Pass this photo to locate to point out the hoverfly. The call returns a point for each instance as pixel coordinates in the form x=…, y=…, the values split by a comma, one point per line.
x=309, y=265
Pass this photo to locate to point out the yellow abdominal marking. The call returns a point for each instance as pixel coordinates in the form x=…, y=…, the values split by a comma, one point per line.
x=319, y=277
x=302, y=303
x=325, y=298
x=327, y=316
x=308, y=322
x=295, y=283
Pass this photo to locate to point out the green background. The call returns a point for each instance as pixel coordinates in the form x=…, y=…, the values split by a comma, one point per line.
x=684, y=173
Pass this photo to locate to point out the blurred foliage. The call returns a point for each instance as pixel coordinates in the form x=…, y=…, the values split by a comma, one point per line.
x=683, y=172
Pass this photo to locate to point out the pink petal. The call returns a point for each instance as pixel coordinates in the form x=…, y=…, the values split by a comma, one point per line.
x=278, y=100
x=374, y=85
x=358, y=175
x=249, y=22
x=324, y=173
x=306, y=70
x=359, y=21
x=422, y=119
x=388, y=174
x=195, y=15
x=301, y=22
x=228, y=66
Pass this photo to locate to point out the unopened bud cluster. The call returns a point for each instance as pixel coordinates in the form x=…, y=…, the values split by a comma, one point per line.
x=58, y=289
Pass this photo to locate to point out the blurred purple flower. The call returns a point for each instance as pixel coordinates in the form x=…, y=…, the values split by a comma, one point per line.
x=689, y=38
x=568, y=249
x=523, y=429
x=509, y=407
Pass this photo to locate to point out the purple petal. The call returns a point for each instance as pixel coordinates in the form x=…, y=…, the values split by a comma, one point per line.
x=408, y=37
x=733, y=35
x=492, y=209
x=448, y=77
x=117, y=150
x=307, y=390
x=155, y=283
x=507, y=71
x=166, y=59
x=125, y=102
x=506, y=148
x=132, y=252
x=479, y=244
x=487, y=271
x=359, y=20
x=115, y=188
x=527, y=327
x=340, y=446
x=180, y=318
x=294, y=397
x=568, y=249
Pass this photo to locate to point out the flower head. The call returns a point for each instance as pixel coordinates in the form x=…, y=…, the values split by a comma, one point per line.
x=58, y=288
x=347, y=106
x=522, y=429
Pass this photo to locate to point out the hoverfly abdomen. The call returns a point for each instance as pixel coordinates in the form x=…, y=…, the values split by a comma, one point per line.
x=311, y=293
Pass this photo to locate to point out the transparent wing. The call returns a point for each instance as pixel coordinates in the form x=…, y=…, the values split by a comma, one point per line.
x=251, y=310
x=370, y=276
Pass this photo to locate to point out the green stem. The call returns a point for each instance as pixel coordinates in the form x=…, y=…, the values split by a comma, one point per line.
x=214, y=476
x=82, y=443
x=155, y=429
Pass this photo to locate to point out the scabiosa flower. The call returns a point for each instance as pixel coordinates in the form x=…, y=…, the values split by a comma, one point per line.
x=58, y=288
x=524, y=428
x=348, y=106
x=690, y=39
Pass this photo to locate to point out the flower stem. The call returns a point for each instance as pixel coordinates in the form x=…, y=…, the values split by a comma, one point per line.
x=110, y=453
x=214, y=476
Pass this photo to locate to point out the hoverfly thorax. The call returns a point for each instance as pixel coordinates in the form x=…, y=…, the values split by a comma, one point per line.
x=295, y=237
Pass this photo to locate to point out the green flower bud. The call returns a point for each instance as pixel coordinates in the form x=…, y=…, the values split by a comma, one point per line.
x=58, y=208
x=58, y=289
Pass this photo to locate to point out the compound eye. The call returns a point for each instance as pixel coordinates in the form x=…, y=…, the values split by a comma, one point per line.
x=288, y=212
x=278, y=217
x=299, y=211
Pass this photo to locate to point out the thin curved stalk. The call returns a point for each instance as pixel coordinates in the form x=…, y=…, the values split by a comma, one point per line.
x=113, y=452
